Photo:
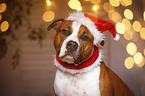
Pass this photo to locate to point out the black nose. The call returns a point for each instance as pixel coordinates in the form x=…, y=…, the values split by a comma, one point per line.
x=72, y=46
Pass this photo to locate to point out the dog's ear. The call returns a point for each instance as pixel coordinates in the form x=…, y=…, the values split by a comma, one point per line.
x=55, y=24
x=102, y=43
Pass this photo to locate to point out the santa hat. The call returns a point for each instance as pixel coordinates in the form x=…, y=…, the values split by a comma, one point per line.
x=95, y=25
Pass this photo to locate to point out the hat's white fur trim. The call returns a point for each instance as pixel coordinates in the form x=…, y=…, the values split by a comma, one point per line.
x=117, y=37
x=75, y=71
x=82, y=19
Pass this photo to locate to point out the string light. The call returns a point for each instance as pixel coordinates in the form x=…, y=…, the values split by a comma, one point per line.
x=79, y=9
x=127, y=2
x=142, y=33
x=120, y=28
x=107, y=7
x=129, y=62
x=48, y=2
x=95, y=7
x=126, y=23
x=74, y=4
x=0, y=17
x=128, y=14
x=4, y=26
x=136, y=26
x=2, y=7
x=114, y=3
x=131, y=48
x=138, y=58
x=48, y=16
x=142, y=63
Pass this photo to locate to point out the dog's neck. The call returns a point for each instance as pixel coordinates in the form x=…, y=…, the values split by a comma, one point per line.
x=92, y=62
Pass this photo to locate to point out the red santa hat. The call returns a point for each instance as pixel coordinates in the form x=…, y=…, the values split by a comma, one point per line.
x=95, y=25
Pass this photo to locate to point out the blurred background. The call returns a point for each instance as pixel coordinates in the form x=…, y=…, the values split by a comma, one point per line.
x=27, y=51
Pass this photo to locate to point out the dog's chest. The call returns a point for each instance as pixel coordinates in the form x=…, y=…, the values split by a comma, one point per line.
x=84, y=84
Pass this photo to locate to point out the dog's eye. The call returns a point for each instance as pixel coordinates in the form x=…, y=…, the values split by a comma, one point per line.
x=85, y=37
x=66, y=31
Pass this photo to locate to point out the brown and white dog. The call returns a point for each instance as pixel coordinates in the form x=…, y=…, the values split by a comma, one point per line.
x=81, y=71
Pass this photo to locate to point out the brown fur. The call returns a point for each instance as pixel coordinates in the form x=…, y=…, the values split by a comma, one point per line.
x=111, y=84
x=87, y=46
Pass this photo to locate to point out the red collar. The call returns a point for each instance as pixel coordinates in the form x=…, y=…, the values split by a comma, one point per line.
x=92, y=59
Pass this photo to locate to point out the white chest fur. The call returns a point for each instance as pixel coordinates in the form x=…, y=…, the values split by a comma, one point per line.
x=83, y=84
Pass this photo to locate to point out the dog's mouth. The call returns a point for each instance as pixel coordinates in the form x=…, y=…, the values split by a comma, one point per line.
x=71, y=59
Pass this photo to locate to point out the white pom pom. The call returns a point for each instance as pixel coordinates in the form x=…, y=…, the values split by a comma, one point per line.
x=117, y=37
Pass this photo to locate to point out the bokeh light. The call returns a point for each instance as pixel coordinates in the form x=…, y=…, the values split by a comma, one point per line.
x=136, y=26
x=0, y=17
x=142, y=63
x=48, y=16
x=128, y=35
x=95, y=7
x=79, y=9
x=116, y=17
x=138, y=58
x=127, y=2
x=142, y=33
x=107, y=7
x=120, y=28
x=114, y=3
x=74, y=4
x=48, y=2
x=128, y=14
x=4, y=26
x=95, y=1
x=129, y=62
x=126, y=23
x=2, y=7
x=131, y=48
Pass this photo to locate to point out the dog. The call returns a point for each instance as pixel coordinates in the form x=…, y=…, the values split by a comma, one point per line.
x=81, y=71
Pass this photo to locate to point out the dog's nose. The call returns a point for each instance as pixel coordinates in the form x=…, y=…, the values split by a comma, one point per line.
x=72, y=46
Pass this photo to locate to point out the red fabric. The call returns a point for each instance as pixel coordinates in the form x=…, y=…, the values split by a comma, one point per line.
x=103, y=25
x=92, y=59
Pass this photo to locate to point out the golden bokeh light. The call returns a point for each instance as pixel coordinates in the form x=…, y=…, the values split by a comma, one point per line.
x=116, y=17
x=48, y=2
x=126, y=23
x=4, y=26
x=131, y=48
x=128, y=35
x=48, y=16
x=142, y=33
x=129, y=62
x=0, y=17
x=136, y=26
x=2, y=7
x=142, y=63
x=95, y=7
x=107, y=7
x=128, y=14
x=127, y=2
x=95, y=1
x=79, y=9
x=74, y=4
x=120, y=28
x=138, y=58
x=114, y=3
